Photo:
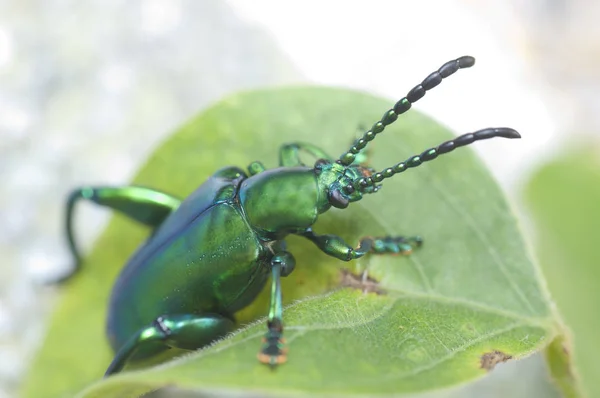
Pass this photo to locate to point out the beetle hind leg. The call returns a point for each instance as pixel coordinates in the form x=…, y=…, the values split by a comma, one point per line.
x=188, y=332
x=273, y=351
x=148, y=206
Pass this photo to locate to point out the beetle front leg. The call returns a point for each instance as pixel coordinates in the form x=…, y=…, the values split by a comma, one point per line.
x=188, y=332
x=273, y=351
x=335, y=246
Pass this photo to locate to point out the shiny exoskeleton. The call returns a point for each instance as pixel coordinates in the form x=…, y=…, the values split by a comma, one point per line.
x=212, y=253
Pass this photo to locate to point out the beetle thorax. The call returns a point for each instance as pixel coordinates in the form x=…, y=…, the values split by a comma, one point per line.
x=280, y=201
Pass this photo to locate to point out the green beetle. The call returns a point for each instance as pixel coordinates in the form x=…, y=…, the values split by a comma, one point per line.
x=211, y=254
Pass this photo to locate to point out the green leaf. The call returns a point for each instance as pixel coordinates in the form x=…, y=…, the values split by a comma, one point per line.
x=560, y=364
x=471, y=297
x=564, y=198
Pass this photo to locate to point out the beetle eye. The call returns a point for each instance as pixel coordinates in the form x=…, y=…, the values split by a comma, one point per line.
x=349, y=189
x=321, y=162
x=337, y=199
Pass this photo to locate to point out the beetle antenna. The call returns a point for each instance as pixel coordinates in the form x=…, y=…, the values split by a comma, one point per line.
x=405, y=103
x=364, y=183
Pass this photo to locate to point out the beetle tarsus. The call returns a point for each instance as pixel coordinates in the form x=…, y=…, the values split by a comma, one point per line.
x=273, y=351
x=395, y=244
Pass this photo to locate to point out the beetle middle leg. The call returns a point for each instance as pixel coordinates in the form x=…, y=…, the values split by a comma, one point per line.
x=255, y=168
x=188, y=332
x=289, y=154
x=335, y=246
x=145, y=205
x=273, y=351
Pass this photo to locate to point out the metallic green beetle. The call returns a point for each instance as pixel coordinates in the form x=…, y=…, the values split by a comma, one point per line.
x=212, y=253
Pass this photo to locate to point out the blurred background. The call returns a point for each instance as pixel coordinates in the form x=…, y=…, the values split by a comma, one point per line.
x=87, y=89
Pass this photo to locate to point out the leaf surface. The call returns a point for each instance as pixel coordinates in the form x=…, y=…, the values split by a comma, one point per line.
x=468, y=299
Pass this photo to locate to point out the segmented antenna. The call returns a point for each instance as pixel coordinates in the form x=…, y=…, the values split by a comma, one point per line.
x=363, y=183
x=404, y=105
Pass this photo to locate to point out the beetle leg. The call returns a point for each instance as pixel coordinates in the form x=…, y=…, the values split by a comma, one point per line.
x=289, y=263
x=188, y=332
x=289, y=154
x=255, y=168
x=145, y=205
x=395, y=244
x=335, y=246
x=273, y=351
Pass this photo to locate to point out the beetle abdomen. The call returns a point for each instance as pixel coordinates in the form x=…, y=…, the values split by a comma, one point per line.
x=215, y=264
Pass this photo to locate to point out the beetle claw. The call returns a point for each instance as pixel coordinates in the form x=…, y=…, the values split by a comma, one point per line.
x=272, y=360
x=273, y=352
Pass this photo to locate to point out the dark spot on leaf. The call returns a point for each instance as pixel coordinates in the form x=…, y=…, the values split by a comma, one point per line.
x=360, y=282
x=490, y=359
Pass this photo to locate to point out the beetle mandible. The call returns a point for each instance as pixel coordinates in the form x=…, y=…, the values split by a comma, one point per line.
x=220, y=244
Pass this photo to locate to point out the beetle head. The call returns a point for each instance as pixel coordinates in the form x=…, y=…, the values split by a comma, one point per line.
x=338, y=182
